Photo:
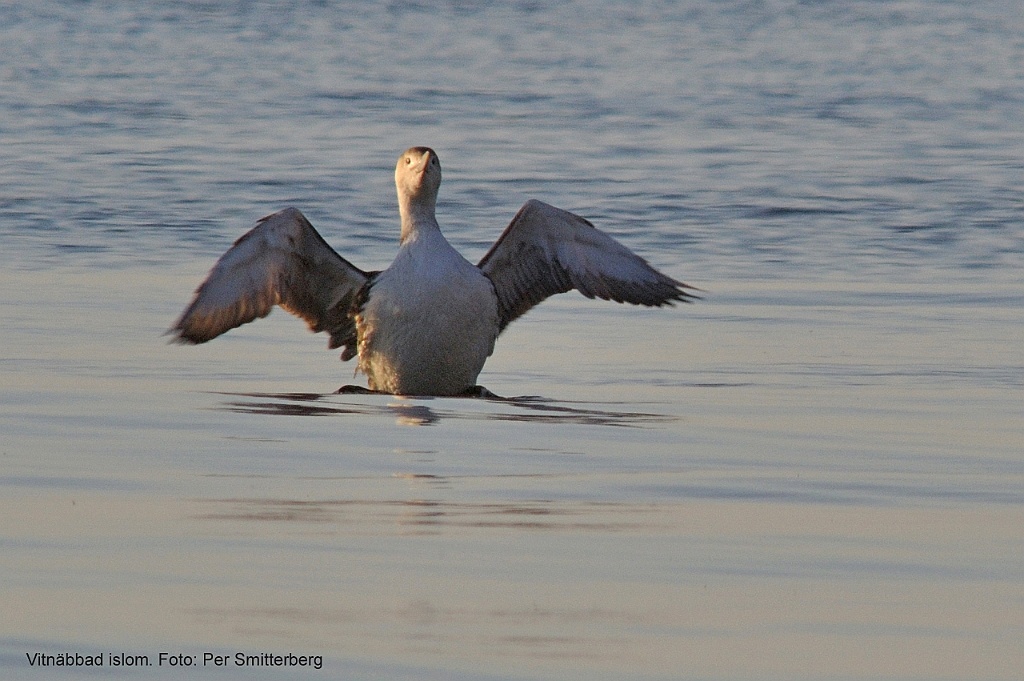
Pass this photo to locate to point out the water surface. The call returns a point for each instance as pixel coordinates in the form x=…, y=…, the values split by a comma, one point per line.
x=814, y=473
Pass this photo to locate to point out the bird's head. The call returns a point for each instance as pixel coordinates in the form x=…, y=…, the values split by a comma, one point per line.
x=418, y=175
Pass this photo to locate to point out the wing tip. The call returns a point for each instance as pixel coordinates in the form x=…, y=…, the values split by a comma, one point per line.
x=683, y=293
x=190, y=330
x=667, y=291
x=180, y=336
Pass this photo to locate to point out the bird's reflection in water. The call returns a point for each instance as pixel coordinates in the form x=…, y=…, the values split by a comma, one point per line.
x=414, y=414
x=425, y=516
x=413, y=411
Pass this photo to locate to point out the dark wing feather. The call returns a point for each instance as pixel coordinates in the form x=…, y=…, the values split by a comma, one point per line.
x=546, y=250
x=281, y=261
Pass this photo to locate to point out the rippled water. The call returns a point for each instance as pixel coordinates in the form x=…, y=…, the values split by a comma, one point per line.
x=814, y=473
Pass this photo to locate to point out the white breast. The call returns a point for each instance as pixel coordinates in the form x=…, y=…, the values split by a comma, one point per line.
x=430, y=322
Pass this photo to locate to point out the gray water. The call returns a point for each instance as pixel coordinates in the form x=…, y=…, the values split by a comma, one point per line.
x=813, y=473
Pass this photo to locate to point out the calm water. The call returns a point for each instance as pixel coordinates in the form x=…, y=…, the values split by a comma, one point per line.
x=815, y=473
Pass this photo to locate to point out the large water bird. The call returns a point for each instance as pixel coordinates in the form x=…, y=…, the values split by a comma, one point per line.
x=426, y=324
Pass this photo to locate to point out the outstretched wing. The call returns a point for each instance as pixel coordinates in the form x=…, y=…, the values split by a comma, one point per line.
x=546, y=250
x=281, y=261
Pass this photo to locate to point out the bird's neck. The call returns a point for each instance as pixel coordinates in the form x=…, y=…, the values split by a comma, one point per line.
x=417, y=216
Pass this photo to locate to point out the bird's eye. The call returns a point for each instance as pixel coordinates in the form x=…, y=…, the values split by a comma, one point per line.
x=408, y=160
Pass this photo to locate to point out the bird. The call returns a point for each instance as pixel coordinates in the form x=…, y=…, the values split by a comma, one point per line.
x=425, y=325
